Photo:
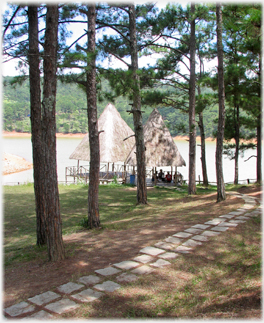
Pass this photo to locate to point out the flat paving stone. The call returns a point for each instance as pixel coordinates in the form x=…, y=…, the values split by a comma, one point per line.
x=87, y=295
x=173, y=240
x=254, y=214
x=108, y=271
x=152, y=251
x=220, y=229
x=242, y=217
x=62, y=306
x=89, y=280
x=192, y=230
x=215, y=221
x=248, y=206
x=227, y=224
x=69, y=288
x=235, y=212
x=142, y=270
x=182, y=235
x=165, y=245
x=168, y=255
x=128, y=264
x=200, y=226
x=191, y=243
x=237, y=221
x=126, y=278
x=19, y=309
x=107, y=286
x=144, y=259
x=160, y=263
x=201, y=238
x=210, y=233
x=241, y=210
x=227, y=216
x=183, y=249
x=44, y=298
x=41, y=315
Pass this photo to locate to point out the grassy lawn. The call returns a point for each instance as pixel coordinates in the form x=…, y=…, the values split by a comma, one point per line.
x=118, y=211
x=221, y=279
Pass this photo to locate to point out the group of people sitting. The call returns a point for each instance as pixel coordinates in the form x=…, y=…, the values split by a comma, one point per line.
x=161, y=177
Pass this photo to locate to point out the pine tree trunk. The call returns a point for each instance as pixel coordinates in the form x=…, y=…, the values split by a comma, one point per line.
x=221, y=121
x=192, y=125
x=137, y=114
x=35, y=117
x=259, y=150
x=93, y=192
x=259, y=131
x=237, y=143
x=53, y=217
x=203, y=155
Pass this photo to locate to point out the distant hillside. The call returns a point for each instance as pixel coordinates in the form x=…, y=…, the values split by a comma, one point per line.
x=71, y=114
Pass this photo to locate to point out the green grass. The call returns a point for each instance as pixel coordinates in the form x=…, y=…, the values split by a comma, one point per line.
x=221, y=279
x=205, y=285
x=117, y=205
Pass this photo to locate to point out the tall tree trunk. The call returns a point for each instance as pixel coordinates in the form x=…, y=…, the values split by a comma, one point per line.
x=221, y=97
x=259, y=131
x=93, y=192
x=137, y=114
x=259, y=149
x=35, y=117
x=53, y=217
x=237, y=143
x=203, y=157
x=192, y=125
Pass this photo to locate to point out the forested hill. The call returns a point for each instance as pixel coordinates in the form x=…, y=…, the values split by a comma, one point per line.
x=71, y=114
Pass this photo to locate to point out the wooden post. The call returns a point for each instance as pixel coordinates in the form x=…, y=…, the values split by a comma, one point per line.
x=107, y=170
x=124, y=174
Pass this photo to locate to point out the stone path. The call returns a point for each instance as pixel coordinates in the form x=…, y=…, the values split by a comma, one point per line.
x=70, y=296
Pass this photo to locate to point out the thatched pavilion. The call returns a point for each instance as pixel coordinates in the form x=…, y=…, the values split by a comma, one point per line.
x=161, y=149
x=113, y=148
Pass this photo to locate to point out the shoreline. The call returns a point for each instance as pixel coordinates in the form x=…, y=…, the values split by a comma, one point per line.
x=14, y=164
x=9, y=134
x=14, y=134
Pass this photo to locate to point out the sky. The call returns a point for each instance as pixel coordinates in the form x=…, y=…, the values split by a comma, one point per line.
x=10, y=68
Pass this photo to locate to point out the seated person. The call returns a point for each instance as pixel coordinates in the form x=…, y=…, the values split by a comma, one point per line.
x=168, y=177
x=160, y=175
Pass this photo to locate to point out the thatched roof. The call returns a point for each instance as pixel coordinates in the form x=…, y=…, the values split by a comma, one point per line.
x=161, y=149
x=112, y=146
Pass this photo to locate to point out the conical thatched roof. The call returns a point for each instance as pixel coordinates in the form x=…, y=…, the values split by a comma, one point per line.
x=161, y=149
x=112, y=146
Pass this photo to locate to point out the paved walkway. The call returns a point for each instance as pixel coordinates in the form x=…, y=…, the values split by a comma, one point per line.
x=70, y=296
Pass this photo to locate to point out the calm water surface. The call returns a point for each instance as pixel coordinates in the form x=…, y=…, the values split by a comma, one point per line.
x=65, y=146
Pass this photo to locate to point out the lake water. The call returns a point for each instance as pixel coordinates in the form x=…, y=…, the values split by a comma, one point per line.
x=65, y=146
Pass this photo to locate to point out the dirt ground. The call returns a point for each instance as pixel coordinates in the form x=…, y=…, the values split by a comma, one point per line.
x=88, y=251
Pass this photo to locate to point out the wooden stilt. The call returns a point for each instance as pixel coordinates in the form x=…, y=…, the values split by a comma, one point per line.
x=107, y=170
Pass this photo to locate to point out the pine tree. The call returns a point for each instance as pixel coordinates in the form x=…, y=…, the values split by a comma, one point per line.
x=221, y=120
x=35, y=117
